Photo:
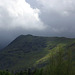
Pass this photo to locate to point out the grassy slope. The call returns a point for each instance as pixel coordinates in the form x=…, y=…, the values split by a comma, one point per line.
x=28, y=51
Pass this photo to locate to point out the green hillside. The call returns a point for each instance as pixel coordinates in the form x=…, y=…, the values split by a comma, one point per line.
x=33, y=51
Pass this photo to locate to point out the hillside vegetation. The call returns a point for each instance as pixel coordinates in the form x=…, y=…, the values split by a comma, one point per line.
x=48, y=53
x=58, y=65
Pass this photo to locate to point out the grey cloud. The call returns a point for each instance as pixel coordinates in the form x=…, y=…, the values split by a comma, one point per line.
x=58, y=18
x=17, y=19
x=55, y=22
x=60, y=25
x=33, y=3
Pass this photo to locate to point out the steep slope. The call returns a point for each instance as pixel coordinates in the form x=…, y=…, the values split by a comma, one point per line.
x=28, y=50
x=1, y=46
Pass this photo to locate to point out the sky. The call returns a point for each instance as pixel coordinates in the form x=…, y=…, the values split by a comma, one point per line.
x=36, y=17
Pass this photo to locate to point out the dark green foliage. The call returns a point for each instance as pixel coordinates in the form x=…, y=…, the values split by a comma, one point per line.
x=5, y=73
x=58, y=65
x=32, y=51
